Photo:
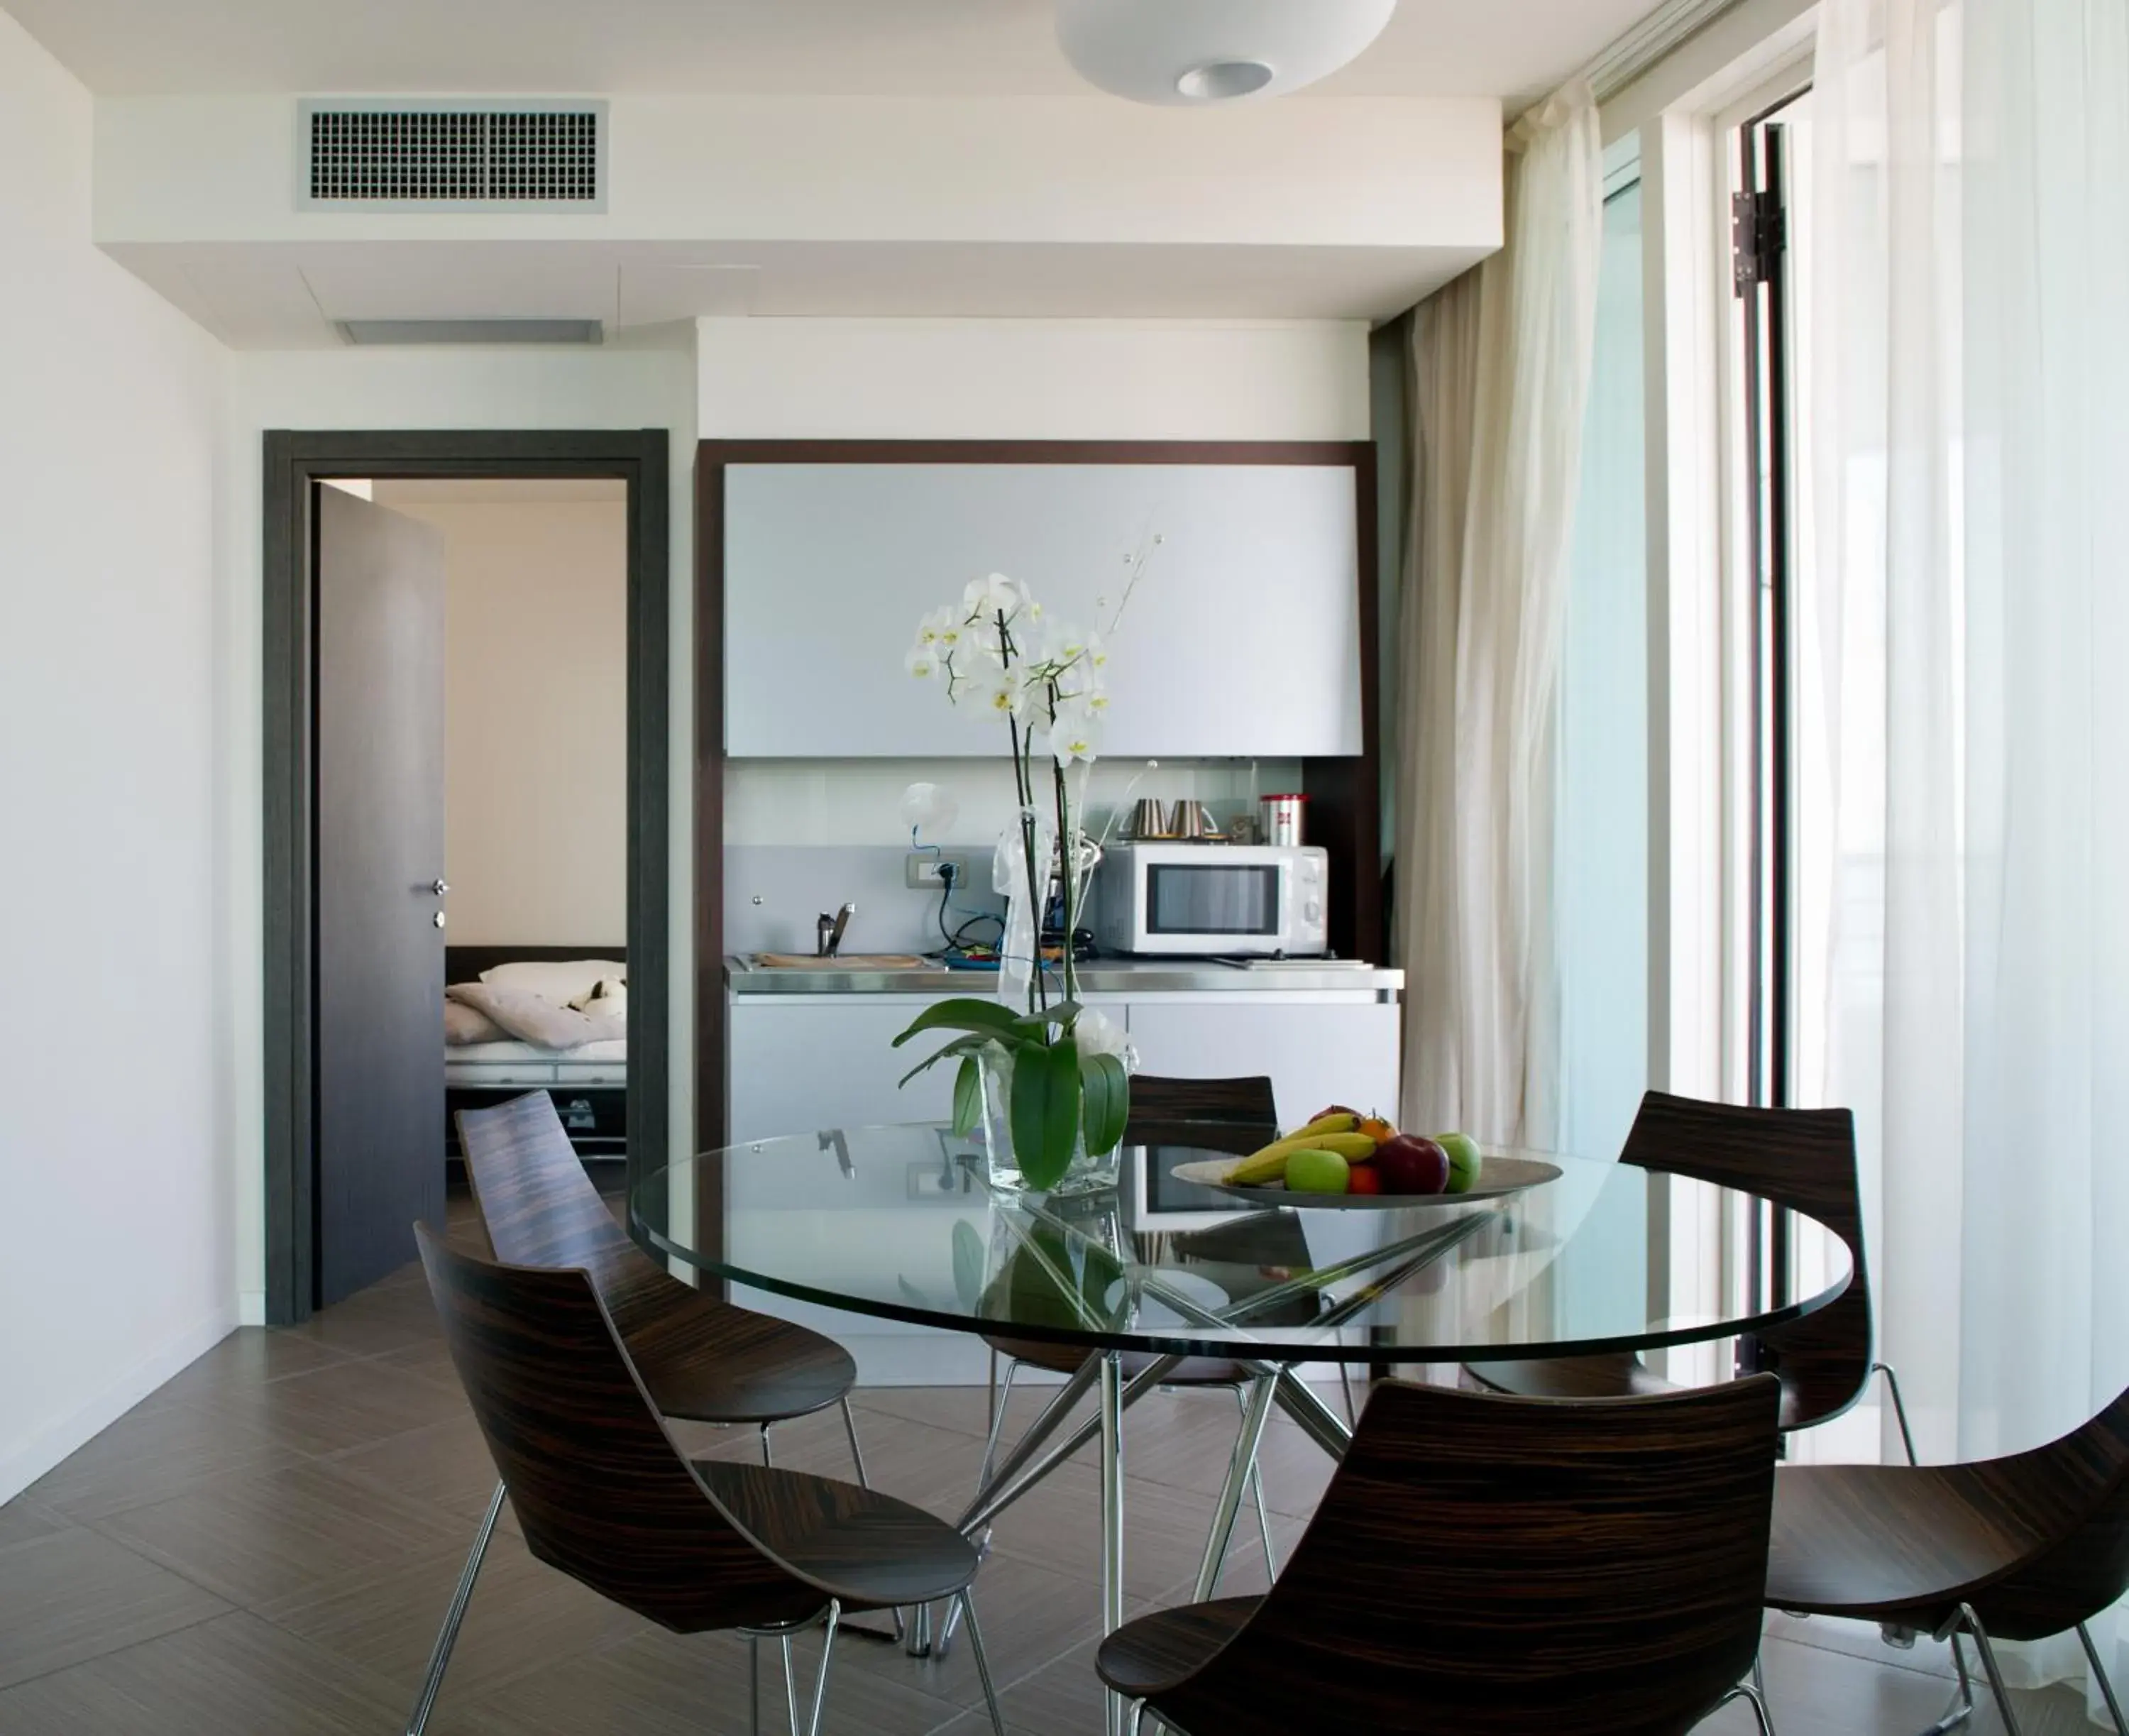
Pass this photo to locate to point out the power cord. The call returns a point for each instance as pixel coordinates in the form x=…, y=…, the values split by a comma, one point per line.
x=956, y=939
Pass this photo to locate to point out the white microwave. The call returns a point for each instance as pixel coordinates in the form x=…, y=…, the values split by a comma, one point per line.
x=1212, y=899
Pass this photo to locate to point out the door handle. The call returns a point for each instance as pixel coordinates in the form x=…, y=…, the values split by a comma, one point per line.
x=439, y=888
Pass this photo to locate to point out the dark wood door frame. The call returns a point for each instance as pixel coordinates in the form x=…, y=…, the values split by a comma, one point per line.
x=293, y=462
x=1345, y=792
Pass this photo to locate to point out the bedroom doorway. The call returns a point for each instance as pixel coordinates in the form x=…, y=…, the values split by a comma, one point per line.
x=466, y=664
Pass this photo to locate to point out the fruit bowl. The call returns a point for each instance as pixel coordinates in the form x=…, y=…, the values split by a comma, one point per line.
x=1501, y=1177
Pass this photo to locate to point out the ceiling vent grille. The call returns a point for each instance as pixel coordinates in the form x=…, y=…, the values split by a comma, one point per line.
x=500, y=154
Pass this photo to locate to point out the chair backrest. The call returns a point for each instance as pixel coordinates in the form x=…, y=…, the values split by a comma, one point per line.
x=598, y=1485
x=1803, y=1160
x=1247, y=1101
x=541, y=1209
x=2075, y=1493
x=1483, y=1564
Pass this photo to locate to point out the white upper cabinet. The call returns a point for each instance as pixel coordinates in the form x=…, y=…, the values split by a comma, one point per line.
x=1242, y=639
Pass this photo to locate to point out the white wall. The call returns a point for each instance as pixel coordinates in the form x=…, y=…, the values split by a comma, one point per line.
x=116, y=1233
x=535, y=714
x=1004, y=379
x=423, y=388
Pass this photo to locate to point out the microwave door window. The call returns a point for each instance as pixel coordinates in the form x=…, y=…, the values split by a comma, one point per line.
x=1188, y=899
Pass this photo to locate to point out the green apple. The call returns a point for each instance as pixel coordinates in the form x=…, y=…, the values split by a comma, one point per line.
x=1312, y=1171
x=1466, y=1161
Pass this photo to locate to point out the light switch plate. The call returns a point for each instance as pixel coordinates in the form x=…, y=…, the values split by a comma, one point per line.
x=922, y=871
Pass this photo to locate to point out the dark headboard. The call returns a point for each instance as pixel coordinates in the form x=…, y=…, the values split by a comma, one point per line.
x=464, y=964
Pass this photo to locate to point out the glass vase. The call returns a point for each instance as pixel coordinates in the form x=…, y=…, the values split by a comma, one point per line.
x=1086, y=1173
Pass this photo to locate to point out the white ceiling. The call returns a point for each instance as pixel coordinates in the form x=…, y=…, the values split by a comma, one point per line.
x=1512, y=49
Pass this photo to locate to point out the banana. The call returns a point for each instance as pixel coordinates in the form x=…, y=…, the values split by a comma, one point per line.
x=1269, y=1164
x=1341, y=1123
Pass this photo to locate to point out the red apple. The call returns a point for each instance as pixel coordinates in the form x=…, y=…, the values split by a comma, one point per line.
x=1411, y=1164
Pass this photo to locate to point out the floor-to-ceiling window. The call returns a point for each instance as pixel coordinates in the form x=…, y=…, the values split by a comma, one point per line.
x=1603, y=883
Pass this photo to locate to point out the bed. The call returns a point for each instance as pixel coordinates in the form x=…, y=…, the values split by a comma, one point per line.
x=589, y=1083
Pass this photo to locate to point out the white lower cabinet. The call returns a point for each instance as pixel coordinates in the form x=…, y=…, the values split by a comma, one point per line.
x=804, y=1062
x=1315, y=1052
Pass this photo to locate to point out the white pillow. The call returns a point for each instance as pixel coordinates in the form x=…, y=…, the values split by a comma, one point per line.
x=610, y=996
x=561, y=983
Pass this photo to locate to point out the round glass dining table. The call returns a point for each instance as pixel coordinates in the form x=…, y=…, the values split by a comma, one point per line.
x=900, y=1223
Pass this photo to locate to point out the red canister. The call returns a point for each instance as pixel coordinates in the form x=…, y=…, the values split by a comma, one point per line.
x=1281, y=818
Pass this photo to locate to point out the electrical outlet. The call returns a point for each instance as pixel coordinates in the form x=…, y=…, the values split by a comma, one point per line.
x=925, y=872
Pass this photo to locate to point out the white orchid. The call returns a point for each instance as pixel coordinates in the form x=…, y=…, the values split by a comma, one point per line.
x=994, y=595
x=1071, y=736
x=999, y=697
x=941, y=630
x=999, y=655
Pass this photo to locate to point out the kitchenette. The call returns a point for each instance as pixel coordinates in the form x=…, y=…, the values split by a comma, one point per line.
x=868, y=835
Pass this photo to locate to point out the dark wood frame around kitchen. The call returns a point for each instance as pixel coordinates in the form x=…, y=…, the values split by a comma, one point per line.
x=1345, y=801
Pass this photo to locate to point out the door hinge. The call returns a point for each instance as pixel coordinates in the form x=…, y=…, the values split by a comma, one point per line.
x=1759, y=231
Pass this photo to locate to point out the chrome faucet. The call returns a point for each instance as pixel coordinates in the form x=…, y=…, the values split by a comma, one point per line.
x=828, y=930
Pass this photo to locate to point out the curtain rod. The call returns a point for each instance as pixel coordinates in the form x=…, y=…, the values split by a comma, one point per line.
x=1630, y=54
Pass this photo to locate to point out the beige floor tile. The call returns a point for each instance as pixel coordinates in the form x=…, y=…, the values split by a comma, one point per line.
x=255, y=1537
x=152, y=1453
x=72, y=1596
x=233, y=1676
x=524, y=1616
x=351, y=1404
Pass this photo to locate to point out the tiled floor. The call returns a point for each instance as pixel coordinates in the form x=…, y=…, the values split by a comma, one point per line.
x=264, y=1547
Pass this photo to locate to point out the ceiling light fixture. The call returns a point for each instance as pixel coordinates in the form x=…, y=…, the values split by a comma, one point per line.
x=1187, y=52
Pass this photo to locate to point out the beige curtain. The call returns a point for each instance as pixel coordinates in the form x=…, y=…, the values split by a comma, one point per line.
x=1501, y=361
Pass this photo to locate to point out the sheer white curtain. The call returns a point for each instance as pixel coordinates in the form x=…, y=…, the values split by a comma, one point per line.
x=1501, y=361
x=1970, y=600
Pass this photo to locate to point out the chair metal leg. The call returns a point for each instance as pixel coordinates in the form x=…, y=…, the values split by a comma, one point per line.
x=447, y=1636
x=1753, y=1696
x=767, y=1456
x=1962, y=1700
x=1899, y=1408
x=753, y=1685
x=1346, y=1385
x=2100, y=1675
x=790, y=1687
x=827, y=1657
x=968, y=1608
x=1988, y=1665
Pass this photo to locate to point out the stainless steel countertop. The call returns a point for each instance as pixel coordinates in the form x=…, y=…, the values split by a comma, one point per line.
x=1109, y=977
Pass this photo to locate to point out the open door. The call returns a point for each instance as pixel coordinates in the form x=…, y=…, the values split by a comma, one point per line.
x=379, y=1027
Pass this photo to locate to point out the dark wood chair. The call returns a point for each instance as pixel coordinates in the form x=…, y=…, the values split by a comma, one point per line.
x=1802, y=1159
x=1483, y=1565
x=604, y=1495
x=703, y=1360
x=1240, y=1114
x=2012, y=1548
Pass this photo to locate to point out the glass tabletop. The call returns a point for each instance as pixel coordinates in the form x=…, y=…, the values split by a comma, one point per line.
x=900, y=1223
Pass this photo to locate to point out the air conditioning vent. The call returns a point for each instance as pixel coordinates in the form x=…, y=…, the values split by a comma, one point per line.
x=495, y=155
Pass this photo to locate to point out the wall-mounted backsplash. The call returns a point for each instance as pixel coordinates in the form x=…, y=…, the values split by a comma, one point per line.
x=775, y=893
x=858, y=801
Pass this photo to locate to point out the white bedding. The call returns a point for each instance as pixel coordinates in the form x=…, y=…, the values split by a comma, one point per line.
x=524, y=1063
